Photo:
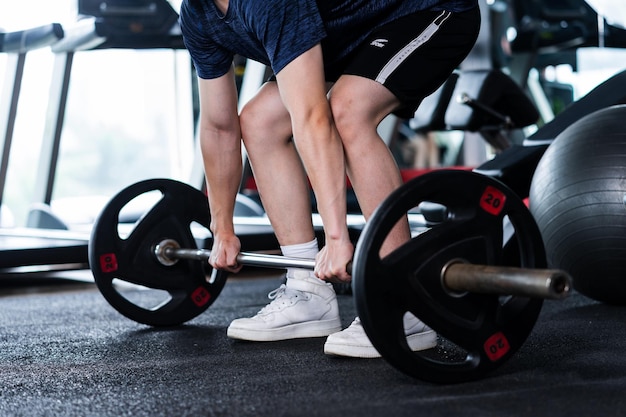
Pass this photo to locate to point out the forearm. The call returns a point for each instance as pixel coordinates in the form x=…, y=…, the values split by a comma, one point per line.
x=321, y=151
x=317, y=139
x=220, y=144
x=221, y=154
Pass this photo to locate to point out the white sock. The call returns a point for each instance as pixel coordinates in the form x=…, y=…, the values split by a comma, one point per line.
x=301, y=250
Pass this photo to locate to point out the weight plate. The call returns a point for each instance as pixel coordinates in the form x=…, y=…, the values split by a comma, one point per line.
x=124, y=265
x=484, y=223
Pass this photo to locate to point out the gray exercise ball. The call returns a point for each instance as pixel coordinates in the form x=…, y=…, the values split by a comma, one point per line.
x=578, y=196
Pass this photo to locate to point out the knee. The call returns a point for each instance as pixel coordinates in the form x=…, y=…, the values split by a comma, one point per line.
x=263, y=127
x=252, y=125
x=346, y=118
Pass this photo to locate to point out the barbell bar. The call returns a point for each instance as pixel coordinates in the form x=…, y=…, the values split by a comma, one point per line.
x=457, y=276
x=168, y=252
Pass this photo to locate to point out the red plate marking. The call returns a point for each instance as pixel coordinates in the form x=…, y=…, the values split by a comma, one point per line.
x=200, y=296
x=492, y=200
x=108, y=263
x=496, y=346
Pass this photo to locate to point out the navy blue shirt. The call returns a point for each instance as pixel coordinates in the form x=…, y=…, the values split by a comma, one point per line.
x=274, y=32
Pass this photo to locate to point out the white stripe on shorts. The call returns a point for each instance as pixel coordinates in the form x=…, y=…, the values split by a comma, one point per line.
x=404, y=53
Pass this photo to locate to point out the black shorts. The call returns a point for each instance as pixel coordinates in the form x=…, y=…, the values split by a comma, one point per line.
x=414, y=55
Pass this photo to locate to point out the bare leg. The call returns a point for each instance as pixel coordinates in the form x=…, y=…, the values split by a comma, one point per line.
x=304, y=306
x=358, y=106
x=278, y=171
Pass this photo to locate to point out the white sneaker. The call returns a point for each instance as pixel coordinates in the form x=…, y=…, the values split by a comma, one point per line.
x=304, y=307
x=353, y=341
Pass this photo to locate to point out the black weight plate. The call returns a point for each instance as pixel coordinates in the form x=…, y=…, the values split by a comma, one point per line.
x=485, y=223
x=125, y=268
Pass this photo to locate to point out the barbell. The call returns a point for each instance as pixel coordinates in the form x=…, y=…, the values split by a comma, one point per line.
x=477, y=277
x=457, y=276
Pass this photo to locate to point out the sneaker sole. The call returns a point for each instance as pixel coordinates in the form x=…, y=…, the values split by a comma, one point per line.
x=320, y=328
x=417, y=342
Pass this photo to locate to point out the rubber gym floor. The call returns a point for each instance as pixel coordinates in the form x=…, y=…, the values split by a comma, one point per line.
x=65, y=352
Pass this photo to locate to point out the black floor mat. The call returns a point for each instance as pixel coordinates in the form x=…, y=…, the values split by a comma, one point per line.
x=68, y=353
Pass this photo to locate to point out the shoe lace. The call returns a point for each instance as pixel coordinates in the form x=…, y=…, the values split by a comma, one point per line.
x=278, y=296
x=277, y=292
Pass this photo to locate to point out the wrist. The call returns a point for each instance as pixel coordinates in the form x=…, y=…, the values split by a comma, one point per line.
x=339, y=237
x=222, y=229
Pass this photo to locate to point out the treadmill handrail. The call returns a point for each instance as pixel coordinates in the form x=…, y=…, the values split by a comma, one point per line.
x=80, y=36
x=34, y=38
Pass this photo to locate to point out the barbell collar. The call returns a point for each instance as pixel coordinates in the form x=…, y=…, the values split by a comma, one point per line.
x=459, y=277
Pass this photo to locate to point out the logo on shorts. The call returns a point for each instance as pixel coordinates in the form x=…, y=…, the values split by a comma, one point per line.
x=379, y=43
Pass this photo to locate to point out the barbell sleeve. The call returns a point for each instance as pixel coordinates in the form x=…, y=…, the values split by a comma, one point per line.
x=462, y=277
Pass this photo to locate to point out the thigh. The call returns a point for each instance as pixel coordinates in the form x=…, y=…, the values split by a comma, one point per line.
x=360, y=102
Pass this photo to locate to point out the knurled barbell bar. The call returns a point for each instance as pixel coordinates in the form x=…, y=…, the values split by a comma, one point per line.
x=457, y=276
